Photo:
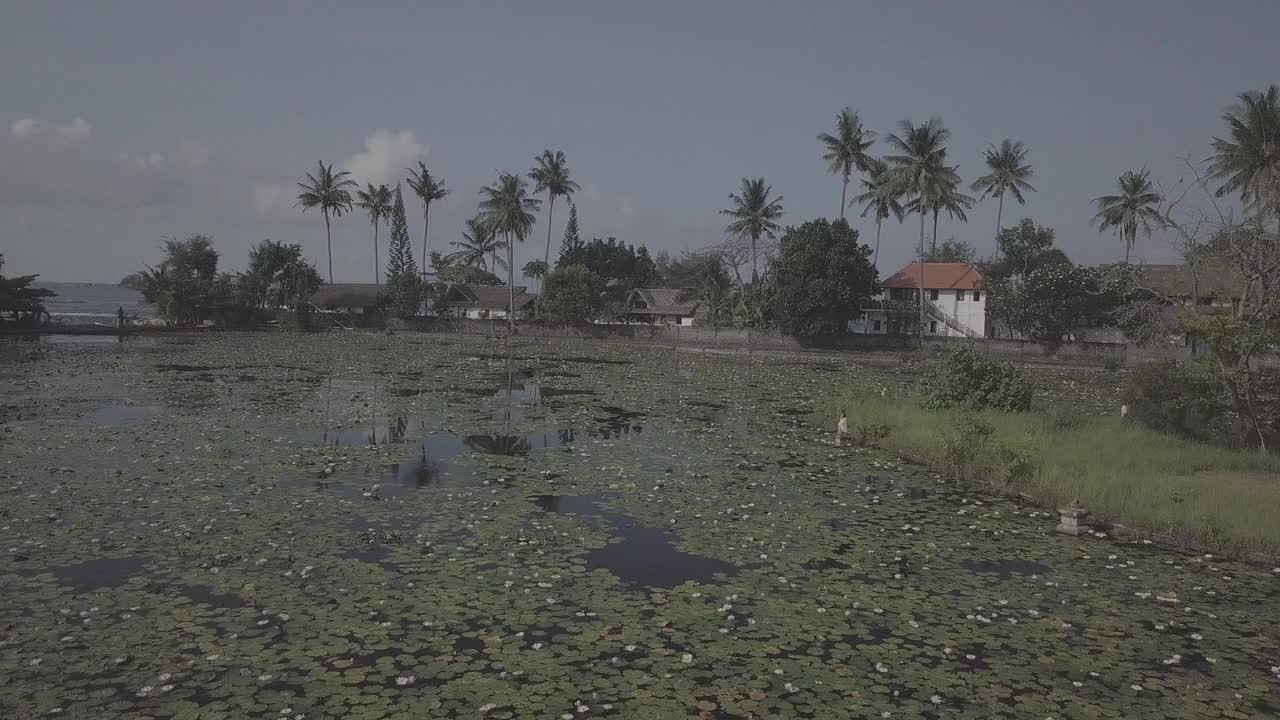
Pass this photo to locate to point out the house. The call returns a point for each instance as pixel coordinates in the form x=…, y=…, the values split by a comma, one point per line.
x=481, y=302
x=955, y=303
x=349, y=298
x=1206, y=285
x=660, y=306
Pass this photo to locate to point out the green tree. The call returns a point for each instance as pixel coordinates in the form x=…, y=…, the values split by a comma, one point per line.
x=571, y=241
x=847, y=149
x=478, y=248
x=182, y=285
x=1008, y=173
x=880, y=198
x=551, y=173
x=452, y=272
x=22, y=303
x=822, y=275
x=917, y=167
x=428, y=188
x=1057, y=299
x=404, y=284
x=1136, y=207
x=754, y=214
x=278, y=275
x=571, y=294
x=693, y=270
x=1247, y=161
x=510, y=212
x=622, y=267
x=950, y=251
x=944, y=195
x=536, y=270
x=328, y=191
x=377, y=202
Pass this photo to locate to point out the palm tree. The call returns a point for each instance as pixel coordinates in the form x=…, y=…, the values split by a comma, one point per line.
x=551, y=173
x=1009, y=174
x=326, y=190
x=1137, y=206
x=536, y=270
x=1248, y=162
x=847, y=149
x=478, y=241
x=754, y=214
x=878, y=198
x=377, y=202
x=944, y=195
x=428, y=188
x=508, y=210
x=916, y=170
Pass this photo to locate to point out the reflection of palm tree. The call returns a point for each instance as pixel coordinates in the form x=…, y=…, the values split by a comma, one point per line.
x=566, y=436
x=498, y=444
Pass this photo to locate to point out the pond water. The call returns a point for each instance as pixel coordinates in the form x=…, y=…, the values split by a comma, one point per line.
x=355, y=525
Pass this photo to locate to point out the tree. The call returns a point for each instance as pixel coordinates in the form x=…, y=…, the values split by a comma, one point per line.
x=1009, y=173
x=181, y=286
x=622, y=267
x=478, y=248
x=571, y=294
x=880, y=198
x=509, y=211
x=326, y=190
x=1057, y=299
x=536, y=270
x=1137, y=206
x=945, y=195
x=822, y=274
x=376, y=202
x=571, y=241
x=691, y=271
x=278, y=275
x=917, y=168
x=1248, y=160
x=404, y=284
x=754, y=215
x=1021, y=249
x=21, y=302
x=551, y=173
x=428, y=188
x=847, y=149
x=950, y=251
x=452, y=272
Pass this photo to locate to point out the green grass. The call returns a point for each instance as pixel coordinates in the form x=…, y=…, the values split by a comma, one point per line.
x=1187, y=492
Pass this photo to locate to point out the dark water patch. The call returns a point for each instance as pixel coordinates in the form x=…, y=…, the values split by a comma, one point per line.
x=102, y=339
x=205, y=595
x=643, y=556
x=246, y=378
x=550, y=392
x=509, y=445
x=466, y=643
x=380, y=431
x=839, y=524
x=1006, y=569
x=119, y=415
x=595, y=361
x=100, y=573
x=706, y=404
x=176, y=367
x=407, y=392
x=795, y=411
x=374, y=554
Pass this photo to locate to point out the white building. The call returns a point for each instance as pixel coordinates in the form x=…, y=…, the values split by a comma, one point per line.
x=485, y=302
x=661, y=306
x=955, y=303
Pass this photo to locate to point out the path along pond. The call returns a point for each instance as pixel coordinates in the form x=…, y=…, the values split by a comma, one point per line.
x=352, y=525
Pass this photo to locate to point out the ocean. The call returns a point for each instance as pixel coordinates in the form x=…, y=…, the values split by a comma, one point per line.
x=92, y=302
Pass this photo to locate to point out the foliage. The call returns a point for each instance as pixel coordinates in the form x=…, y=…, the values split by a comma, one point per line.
x=181, y=287
x=458, y=274
x=753, y=306
x=1058, y=299
x=950, y=251
x=1008, y=173
x=879, y=198
x=428, y=188
x=847, y=149
x=535, y=270
x=19, y=301
x=550, y=173
x=377, y=202
x=571, y=294
x=965, y=378
x=1024, y=249
x=1174, y=398
x=623, y=267
x=278, y=275
x=478, y=248
x=571, y=241
x=327, y=191
x=691, y=270
x=755, y=215
x=823, y=275
x=509, y=212
x=1136, y=207
x=404, y=284
x=1246, y=161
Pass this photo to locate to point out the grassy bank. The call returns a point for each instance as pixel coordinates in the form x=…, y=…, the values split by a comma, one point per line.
x=1187, y=492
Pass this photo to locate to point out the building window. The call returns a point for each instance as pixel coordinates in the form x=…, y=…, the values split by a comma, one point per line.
x=877, y=326
x=960, y=295
x=977, y=296
x=933, y=327
x=933, y=294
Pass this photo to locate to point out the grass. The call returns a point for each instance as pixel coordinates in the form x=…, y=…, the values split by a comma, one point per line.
x=1213, y=498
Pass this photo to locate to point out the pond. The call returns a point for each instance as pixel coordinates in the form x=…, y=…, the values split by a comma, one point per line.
x=350, y=524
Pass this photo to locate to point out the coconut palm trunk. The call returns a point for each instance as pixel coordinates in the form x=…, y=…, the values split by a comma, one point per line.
x=875, y=259
x=999, y=214
x=546, y=256
x=328, y=242
x=933, y=246
x=754, y=269
x=376, y=281
x=511, y=293
x=921, y=329
x=843, y=189
x=426, y=225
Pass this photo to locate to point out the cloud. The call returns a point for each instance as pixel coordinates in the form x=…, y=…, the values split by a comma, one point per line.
x=75, y=132
x=143, y=161
x=386, y=155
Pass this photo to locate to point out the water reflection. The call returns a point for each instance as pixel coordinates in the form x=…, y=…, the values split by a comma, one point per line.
x=100, y=573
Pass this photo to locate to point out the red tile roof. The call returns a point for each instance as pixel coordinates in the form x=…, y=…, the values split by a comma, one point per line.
x=937, y=276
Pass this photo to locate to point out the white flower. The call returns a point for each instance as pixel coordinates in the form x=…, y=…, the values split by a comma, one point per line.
x=881, y=667
x=790, y=688
x=405, y=680
x=537, y=646
x=1136, y=686
x=487, y=707
x=686, y=658
x=936, y=699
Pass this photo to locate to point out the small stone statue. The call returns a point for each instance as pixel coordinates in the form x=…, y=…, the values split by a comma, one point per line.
x=1074, y=519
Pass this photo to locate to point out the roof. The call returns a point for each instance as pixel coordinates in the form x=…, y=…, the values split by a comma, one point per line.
x=488, y=297
x=347, y=295
x=937, y=276
x=1205, y=280
x=660, y=301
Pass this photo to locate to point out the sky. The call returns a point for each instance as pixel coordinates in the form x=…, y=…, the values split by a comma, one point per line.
x=128, y=122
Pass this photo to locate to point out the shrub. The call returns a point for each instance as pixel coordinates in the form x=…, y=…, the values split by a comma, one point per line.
x=1014, y=466
x=965, y=378
x=962, y=450
x=1178, y=399
x=1061, y=418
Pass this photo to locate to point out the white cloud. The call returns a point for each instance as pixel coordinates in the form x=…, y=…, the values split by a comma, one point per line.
x=386, y=155
x=191, y=155
x=69, y=133
x=274, y=199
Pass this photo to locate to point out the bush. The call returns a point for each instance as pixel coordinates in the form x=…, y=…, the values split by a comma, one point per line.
x=1178, y=399
x=965, y=378
x=962, y=450
x=570, y=294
